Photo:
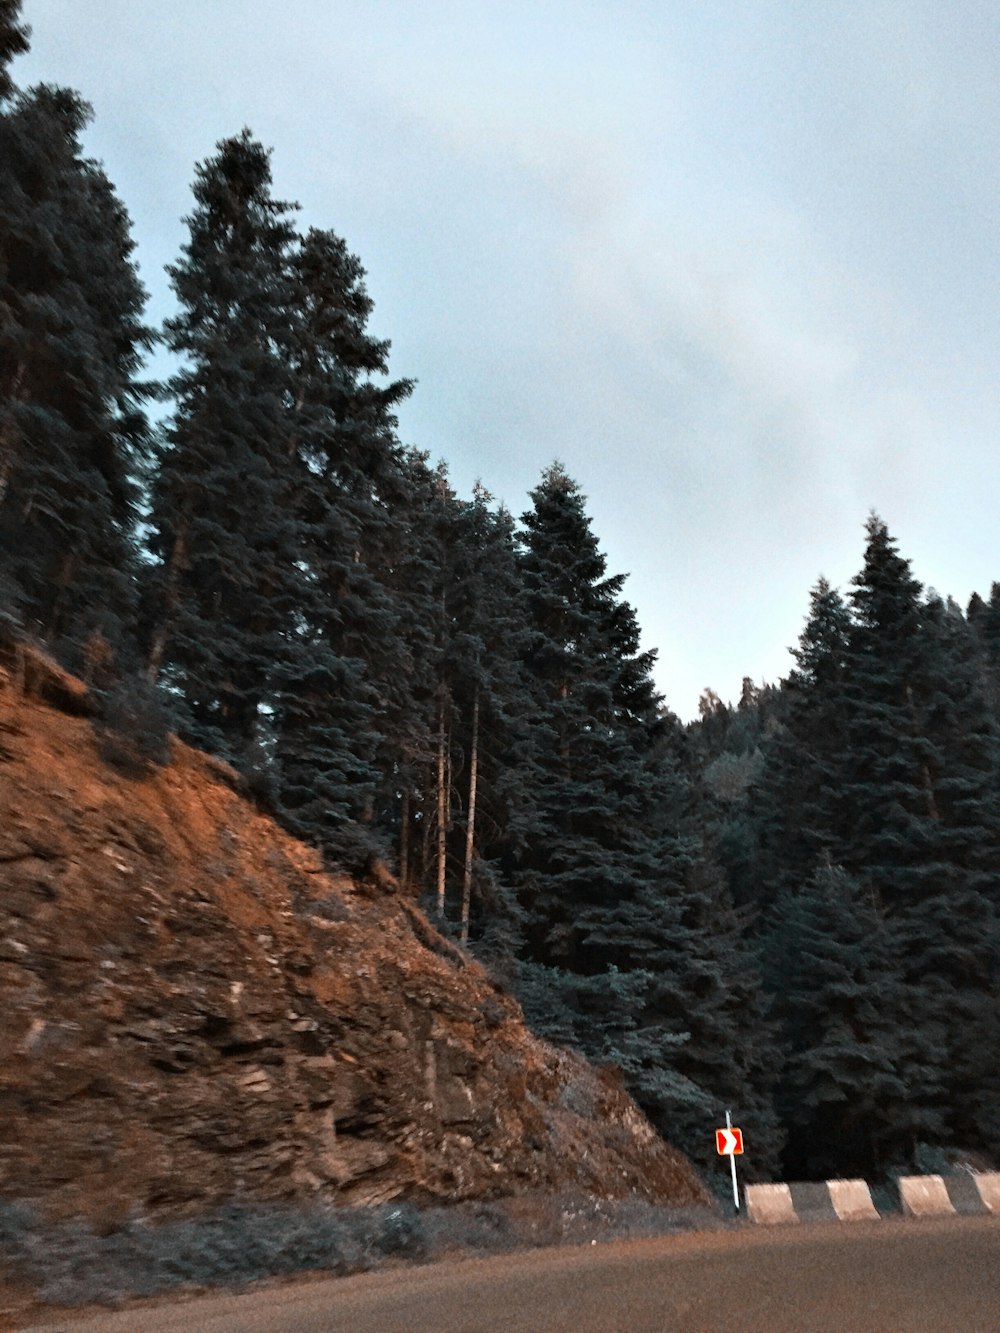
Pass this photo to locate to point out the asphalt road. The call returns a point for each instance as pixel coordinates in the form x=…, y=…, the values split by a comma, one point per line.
x=892, y=1276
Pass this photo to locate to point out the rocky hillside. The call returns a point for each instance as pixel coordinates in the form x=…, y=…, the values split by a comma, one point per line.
x=195, y=1011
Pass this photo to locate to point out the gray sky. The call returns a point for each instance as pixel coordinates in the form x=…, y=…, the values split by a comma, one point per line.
x=736, y=265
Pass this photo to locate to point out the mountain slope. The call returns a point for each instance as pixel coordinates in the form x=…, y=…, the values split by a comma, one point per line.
x=195, y=1011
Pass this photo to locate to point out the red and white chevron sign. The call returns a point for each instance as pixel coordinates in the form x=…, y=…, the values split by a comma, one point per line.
x=729, y=1142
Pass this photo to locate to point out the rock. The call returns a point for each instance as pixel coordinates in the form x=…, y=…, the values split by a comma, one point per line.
x=223, y=1016
x=455, y=1103
x=349, y=1160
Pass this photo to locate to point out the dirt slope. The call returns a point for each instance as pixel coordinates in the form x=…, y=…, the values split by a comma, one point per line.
x=192, y=1010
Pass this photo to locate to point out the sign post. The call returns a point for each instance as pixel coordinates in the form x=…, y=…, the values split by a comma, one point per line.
x=728, y=1143
x=732, y=1163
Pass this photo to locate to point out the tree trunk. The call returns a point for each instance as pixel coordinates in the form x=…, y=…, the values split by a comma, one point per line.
x=293, y=439
x=442, y=807
x=928, y=786
x=53, y=625
x=404, y=838
x=925, y=774
x=426, y=843
x=170, y=601
x=470, y=823
x=563, y=736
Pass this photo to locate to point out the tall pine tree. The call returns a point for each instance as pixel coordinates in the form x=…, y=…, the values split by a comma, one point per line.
x=73, y=434
x=331, y=712
x=795, y=795
x=627, y=926
x=225, y=523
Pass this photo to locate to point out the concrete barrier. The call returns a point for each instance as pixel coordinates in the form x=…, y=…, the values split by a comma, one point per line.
x=770, y=1204
x=925, y=1196
x=811, y=1201
x=964, y=1194
x=960, y=1194
x=988, y=1185
x=852, y=1200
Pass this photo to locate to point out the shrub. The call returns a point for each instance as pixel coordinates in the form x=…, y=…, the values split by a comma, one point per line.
x=401, y=1232
x=68, y=1263
x=133, y=727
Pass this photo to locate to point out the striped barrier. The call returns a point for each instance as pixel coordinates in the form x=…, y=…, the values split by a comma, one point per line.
x=968, y=1194
x=852, y=1200
x=963, y=1194
x=770, y=1203
x=924, y=1196
x=811, y=1201
x=988, y=1184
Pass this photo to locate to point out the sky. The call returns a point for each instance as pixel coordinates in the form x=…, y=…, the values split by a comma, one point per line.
x=736, y=266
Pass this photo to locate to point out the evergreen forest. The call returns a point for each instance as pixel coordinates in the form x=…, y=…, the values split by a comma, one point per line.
x=788, y=907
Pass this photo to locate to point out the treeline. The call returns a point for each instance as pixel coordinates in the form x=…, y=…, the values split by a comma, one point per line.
x=856, y=810
x=786, y=908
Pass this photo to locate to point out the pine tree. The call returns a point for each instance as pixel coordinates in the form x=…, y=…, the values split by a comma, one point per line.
x=953, y=966
x=887, y=784
x=330, y=713
x=458, y=585
x=628, y=930
x=829, y=965
x=225, y=522
x=416, y=758
x=592, y=717
x=880, y=782
x=14, y=38
x=490, y=692
x=918, y=830
x=73, y=436
x=984, y=619
x=795, y=793
x=583, y=858
x=705, y=990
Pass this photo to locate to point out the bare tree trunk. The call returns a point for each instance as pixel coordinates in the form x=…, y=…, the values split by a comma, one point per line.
x=925, y=774
x=170, y=601
x=404, y=838
x=928, y=786
x=470, y=823
x=53, y=626
x=426, y=841
x=442, y=808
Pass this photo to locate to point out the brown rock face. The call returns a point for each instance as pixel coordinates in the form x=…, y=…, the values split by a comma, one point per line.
x=192, y=1009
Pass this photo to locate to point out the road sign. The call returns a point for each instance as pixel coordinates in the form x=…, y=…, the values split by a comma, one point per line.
x=728, y=1142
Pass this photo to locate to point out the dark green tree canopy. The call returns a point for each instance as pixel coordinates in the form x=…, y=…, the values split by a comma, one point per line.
x=224, y=524
x=73, y=434
x=14, y=35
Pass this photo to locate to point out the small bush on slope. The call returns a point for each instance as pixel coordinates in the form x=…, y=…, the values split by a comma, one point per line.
x=68, y=1263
